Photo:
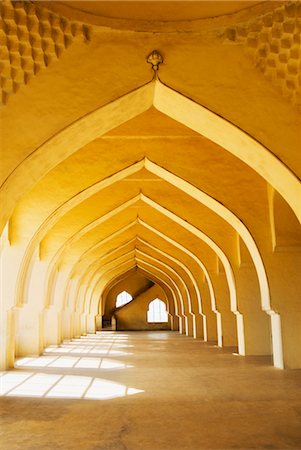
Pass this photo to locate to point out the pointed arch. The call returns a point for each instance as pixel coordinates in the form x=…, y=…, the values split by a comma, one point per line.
x=123, y=298
x=157, y=312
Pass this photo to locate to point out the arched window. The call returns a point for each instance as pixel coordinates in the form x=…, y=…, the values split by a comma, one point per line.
x=157, y=311
x=123, y=298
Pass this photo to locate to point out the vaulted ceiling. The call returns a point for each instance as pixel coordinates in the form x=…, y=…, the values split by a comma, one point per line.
x=107, y=165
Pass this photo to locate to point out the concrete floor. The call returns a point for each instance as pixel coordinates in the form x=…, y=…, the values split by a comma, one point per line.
x=148, y=391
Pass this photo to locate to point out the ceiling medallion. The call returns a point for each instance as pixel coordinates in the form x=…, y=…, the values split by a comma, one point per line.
x=155, y=59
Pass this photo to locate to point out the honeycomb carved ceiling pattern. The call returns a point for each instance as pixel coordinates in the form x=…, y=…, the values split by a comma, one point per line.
x=274, y=42
x=31, y=38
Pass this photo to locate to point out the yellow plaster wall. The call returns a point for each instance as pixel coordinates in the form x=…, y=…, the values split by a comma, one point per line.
x=133, y=316
x=133, y=284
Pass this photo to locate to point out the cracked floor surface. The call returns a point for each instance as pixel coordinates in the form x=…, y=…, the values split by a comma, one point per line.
x=148, y=391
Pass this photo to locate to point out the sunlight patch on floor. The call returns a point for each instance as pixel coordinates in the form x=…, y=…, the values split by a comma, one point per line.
x=94, y=352
x=28, y=384
x=76, y=362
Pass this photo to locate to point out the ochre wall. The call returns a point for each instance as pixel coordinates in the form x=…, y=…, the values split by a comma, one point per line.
x=133, y=316
x=134, y=284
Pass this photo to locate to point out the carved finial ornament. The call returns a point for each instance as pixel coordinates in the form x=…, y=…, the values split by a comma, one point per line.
x=155, y=59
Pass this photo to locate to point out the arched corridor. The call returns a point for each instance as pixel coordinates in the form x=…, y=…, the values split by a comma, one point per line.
x=151, y=150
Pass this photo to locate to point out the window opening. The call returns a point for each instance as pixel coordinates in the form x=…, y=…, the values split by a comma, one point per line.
x=157, y=311
x=123, y=298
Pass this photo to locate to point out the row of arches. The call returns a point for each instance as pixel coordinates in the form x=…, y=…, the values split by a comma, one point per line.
x=64, y=283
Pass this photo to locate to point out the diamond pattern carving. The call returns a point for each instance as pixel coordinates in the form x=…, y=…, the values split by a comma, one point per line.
x=31, y=38
x=274, y=43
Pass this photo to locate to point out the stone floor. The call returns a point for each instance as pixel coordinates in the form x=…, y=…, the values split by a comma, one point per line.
x=148, y=391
